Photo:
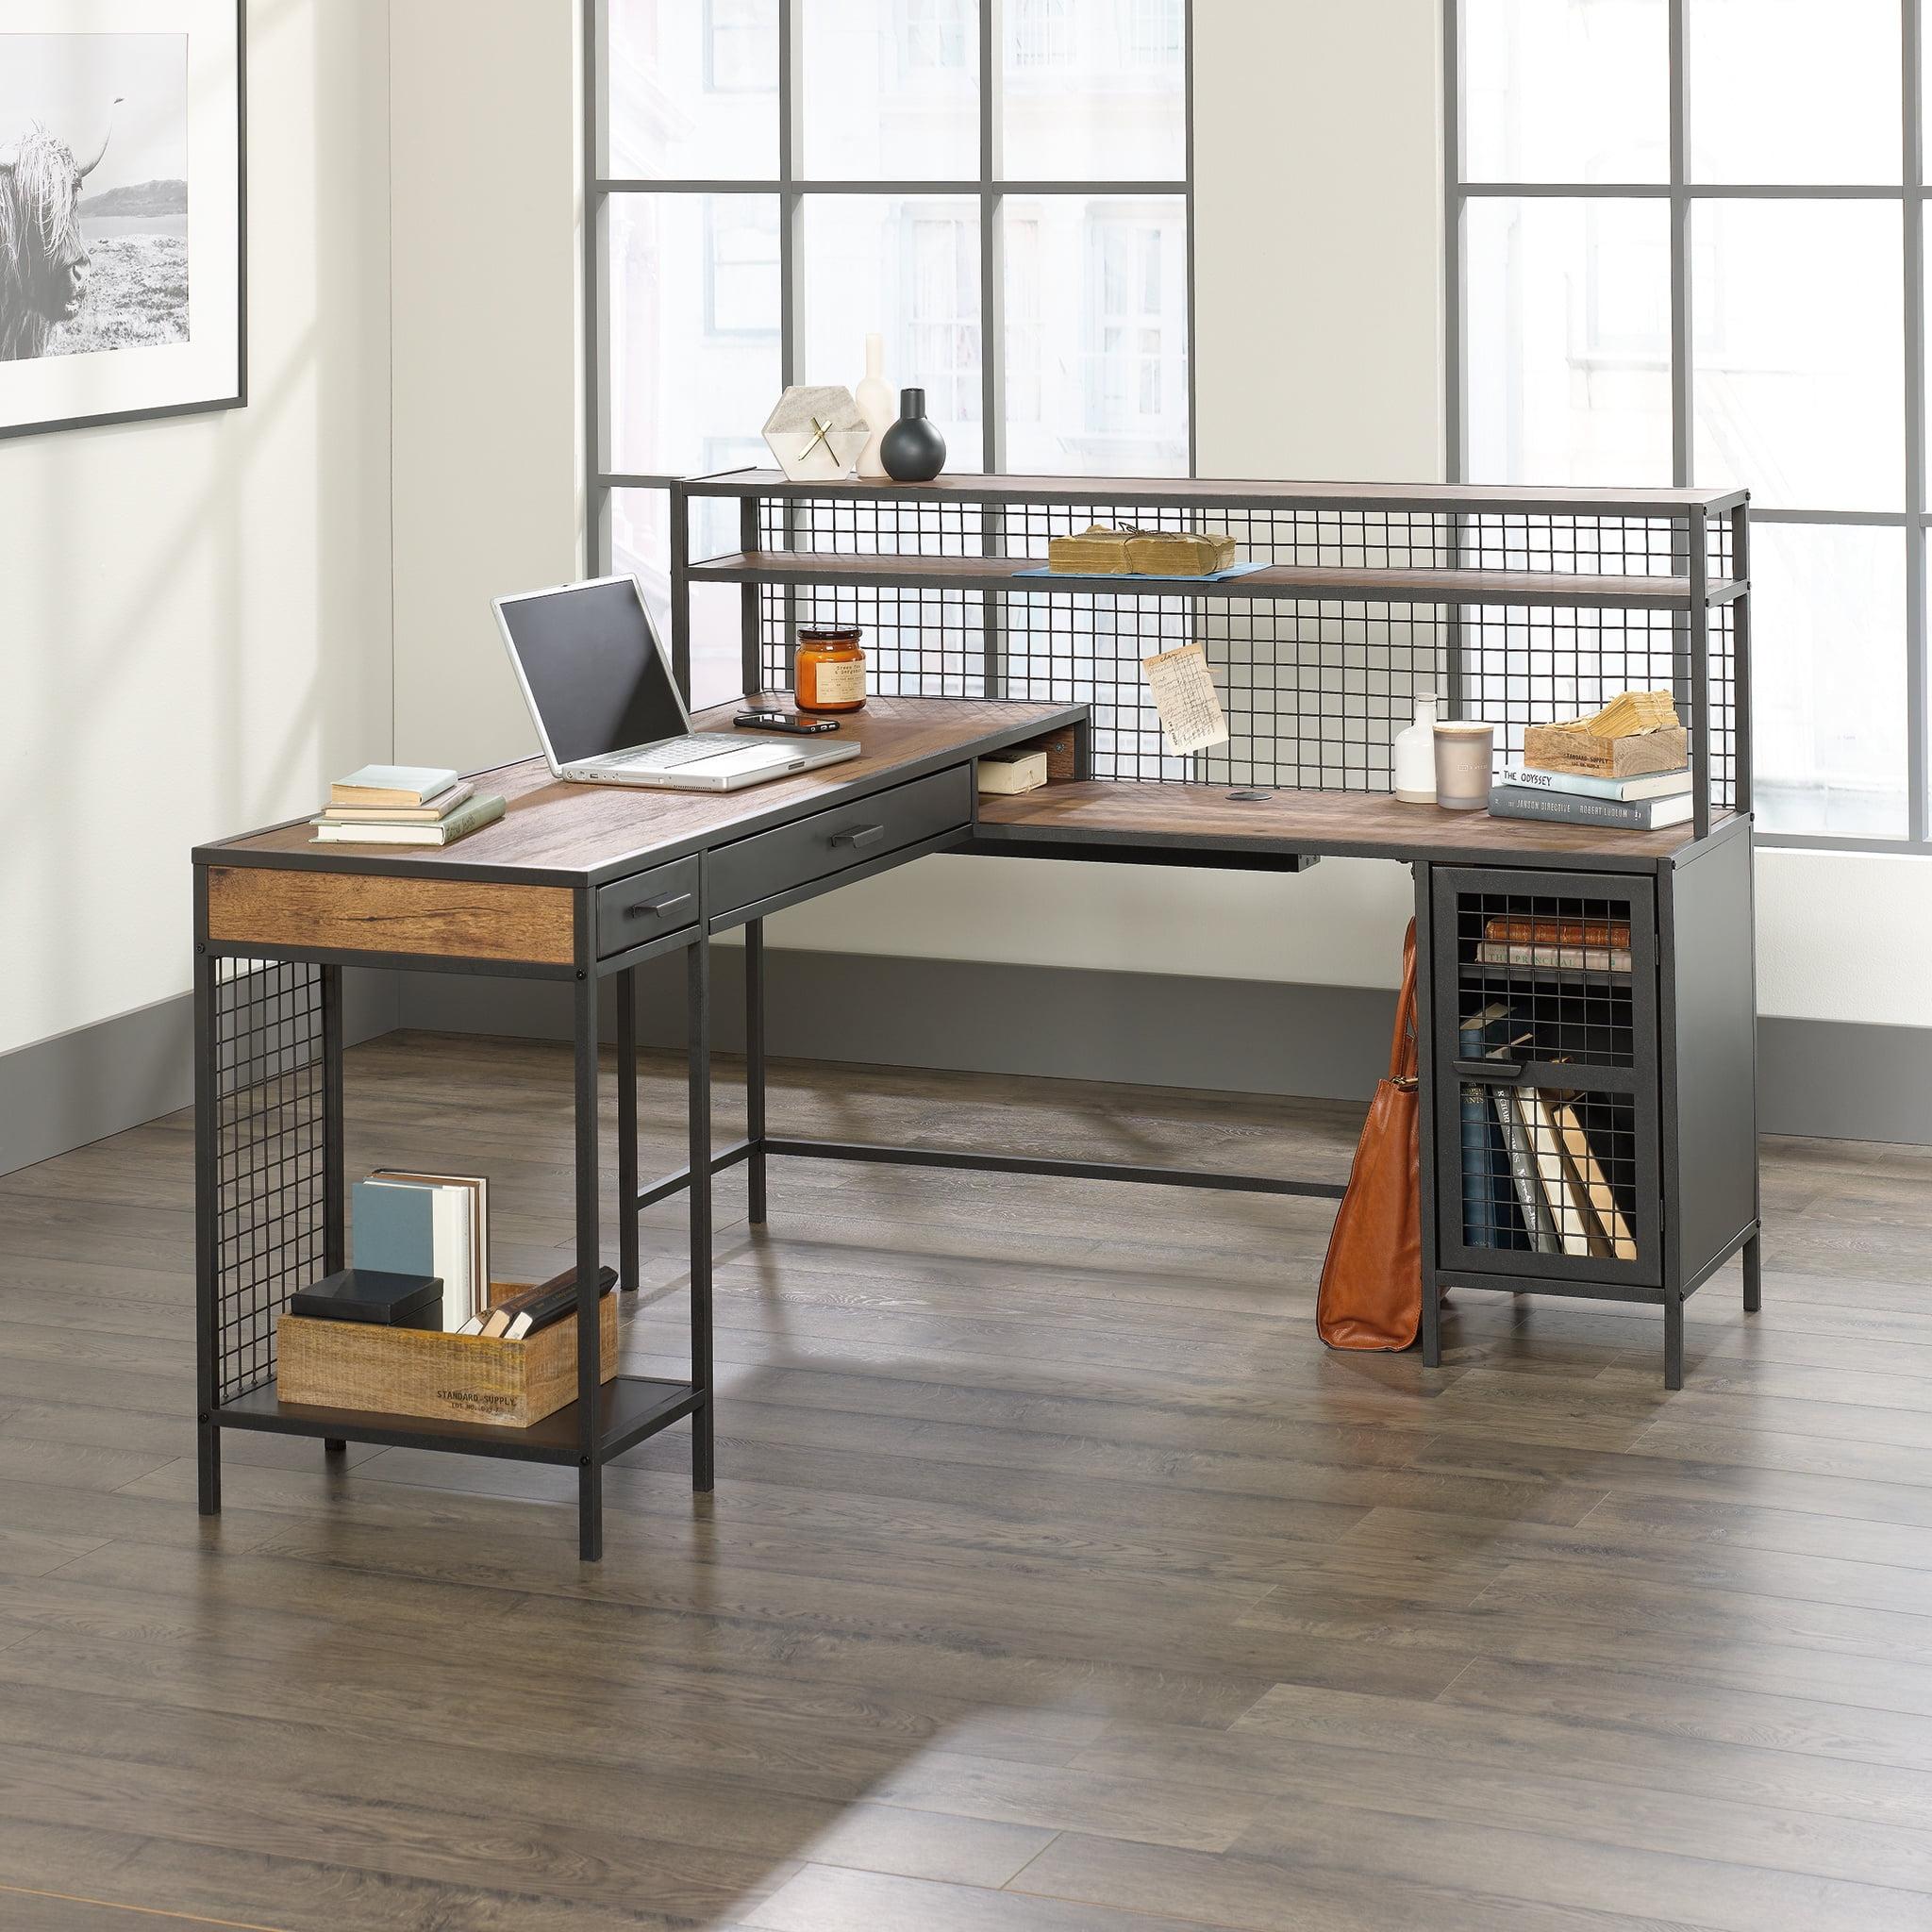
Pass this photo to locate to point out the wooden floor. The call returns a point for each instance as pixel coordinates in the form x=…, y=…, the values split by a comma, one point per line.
x=1055, y=1578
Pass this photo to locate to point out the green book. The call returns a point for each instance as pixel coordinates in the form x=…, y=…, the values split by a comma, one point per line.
x=466, y=818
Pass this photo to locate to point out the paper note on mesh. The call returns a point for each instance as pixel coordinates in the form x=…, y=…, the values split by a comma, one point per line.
x=1183, y=692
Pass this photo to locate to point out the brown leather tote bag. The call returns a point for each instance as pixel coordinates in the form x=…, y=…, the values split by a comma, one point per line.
x=1371, y=1282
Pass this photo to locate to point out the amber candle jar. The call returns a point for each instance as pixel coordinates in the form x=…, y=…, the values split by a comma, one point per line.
x=830, y=673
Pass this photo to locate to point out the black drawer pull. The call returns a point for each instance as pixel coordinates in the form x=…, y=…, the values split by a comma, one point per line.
x=858, y=835
x=1504, y=1073
x=656, y=908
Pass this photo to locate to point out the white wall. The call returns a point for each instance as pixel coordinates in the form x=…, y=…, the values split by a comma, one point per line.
x=484, y=266
x=194, y=613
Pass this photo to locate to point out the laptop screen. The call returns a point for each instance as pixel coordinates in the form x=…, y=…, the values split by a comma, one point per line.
x=596, y=678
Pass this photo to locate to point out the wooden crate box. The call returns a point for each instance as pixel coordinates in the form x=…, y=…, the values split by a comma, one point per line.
x=422, y=1372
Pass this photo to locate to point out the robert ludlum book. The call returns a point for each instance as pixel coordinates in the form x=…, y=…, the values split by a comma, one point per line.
x=1636, y=815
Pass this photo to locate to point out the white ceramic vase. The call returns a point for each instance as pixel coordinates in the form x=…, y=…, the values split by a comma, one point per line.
x=878, y=406
x=1415, y=754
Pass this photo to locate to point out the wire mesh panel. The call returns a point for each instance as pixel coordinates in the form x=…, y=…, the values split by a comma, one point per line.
x=1549, y=1007
x=1314, y=688
x=269, y=1158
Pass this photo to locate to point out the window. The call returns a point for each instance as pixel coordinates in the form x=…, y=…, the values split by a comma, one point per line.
x=1132, y=318
x=941, y=279
x=1156, y=35
x=722, y=268
x=740, y=46
x=1686, y=246
x=1042, y=33
x=935, y=34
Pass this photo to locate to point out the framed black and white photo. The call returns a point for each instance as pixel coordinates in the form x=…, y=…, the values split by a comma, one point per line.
x=122, y=210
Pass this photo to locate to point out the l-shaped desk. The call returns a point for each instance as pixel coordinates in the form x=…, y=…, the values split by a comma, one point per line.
x=584, y=883
x=1587, y=1013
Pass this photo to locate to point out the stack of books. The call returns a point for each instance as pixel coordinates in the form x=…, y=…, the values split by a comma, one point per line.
x=1531, y=1176
x=532, y=1308
x=1627, y=766
x=428, y=1225
x=1586, y=945
x=403, y=805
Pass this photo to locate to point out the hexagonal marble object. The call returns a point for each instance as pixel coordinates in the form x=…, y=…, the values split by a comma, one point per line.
x=816, y=433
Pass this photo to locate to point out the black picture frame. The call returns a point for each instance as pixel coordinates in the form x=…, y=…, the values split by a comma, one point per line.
x=208, y=405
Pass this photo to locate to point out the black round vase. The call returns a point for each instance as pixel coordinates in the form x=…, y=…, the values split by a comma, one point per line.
x=913, y=449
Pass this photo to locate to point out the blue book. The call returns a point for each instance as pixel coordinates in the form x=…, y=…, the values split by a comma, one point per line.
x=394, y=1225
x=1478, y=1035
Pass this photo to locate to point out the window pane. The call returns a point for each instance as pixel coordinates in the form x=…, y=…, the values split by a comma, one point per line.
x=1568, y=323
x=908, y=270
x=1791, y=91
x=1093, y=90
x=641, y=547
x=1096, y=320
x=692, y=328
x=891, y=90
x=1565, y=93
x=1798, y=316
x=1828, y=654
x=693, y=89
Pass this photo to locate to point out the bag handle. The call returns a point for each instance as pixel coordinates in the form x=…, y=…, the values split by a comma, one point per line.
x=1402, y=1047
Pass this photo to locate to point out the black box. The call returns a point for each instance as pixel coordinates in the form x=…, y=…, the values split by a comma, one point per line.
x=368, y=1294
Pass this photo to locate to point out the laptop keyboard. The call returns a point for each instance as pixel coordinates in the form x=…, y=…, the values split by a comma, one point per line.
x=678, y=751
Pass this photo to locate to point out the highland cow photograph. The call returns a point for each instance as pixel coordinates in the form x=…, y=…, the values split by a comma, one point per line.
x=93, y=192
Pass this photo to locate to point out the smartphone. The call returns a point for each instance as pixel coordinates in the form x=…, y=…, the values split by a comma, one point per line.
x=783, y=721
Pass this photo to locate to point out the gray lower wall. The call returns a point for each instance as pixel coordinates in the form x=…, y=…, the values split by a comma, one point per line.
x=98, y=1080
x=1236, y=1036
x=1833, y=1081
x=1837, y=1082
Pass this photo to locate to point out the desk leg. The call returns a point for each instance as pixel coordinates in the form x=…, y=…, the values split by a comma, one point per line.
x=628, y=1131
x=590, y=1368
x=698, y=1102
x=1754, y=1282
x=1426, y=1076
x=208, y=1438
x=755, y=1064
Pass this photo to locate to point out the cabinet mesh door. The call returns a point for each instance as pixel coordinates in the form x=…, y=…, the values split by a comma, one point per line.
x=1548, y=1153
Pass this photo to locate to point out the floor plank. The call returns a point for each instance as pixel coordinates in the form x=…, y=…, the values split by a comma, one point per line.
x=1057, y=1579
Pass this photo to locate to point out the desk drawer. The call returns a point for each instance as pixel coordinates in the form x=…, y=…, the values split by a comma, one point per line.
x=830, y=842
x=646, y=906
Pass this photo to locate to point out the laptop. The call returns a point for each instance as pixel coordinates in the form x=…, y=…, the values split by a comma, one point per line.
x=607, y=707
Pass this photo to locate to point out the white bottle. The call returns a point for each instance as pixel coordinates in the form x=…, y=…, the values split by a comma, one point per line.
x=1415, y=753
x=878, y=406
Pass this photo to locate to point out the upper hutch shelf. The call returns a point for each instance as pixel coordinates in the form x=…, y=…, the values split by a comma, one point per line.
x=1513, y=605
x=904, y=571
x=1499, y=499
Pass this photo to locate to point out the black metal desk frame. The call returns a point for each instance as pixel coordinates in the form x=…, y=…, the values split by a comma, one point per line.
x=268, y=1041
x=861, y=545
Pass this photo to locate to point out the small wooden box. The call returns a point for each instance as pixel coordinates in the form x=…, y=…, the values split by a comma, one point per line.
x=422, y=1372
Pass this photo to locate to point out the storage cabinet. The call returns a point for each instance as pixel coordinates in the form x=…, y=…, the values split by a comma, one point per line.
x=1590, y=1041
x=1547, y=1086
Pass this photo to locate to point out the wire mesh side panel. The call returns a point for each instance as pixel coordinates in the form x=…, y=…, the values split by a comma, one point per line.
x=1555, y=1167
x=1314, y=689
x=269, y=1158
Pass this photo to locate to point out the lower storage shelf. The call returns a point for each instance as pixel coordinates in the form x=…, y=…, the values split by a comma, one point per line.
x=630, y=1408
